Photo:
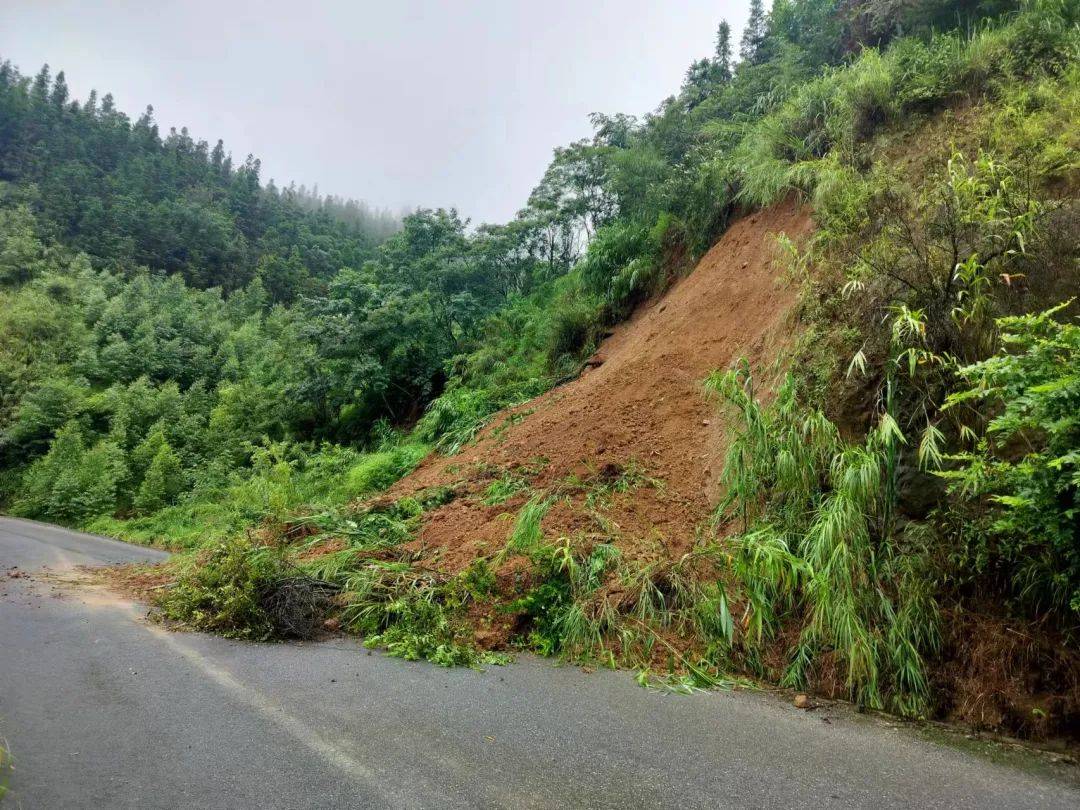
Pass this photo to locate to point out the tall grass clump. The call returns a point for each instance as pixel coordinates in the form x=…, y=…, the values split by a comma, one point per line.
x=818, y=545
x=528, y=534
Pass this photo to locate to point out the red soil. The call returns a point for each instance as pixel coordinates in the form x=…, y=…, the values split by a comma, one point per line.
x=643, y=403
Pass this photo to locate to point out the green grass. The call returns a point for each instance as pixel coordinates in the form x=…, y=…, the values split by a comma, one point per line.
x=5, y=768
x=504, y=488
x=528, y=535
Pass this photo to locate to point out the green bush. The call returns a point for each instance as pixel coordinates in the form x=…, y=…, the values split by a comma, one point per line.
x=1022, y=479
x=220, y=588
x=557, y=608
x=613, y=248
x=574, y=333
x=377, y=471
x=453, y=419
x=621, y=267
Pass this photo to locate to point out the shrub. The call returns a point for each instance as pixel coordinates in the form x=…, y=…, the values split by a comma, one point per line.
x=245, y=591
x=377, y=471
x=220, y=589
x=1024, y=472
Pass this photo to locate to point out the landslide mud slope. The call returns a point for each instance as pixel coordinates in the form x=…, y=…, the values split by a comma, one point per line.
x=643, y=408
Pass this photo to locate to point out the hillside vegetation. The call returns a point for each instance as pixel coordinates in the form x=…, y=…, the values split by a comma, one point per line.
x=890, y=393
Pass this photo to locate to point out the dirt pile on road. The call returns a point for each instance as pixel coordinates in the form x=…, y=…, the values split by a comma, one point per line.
x=632, y=447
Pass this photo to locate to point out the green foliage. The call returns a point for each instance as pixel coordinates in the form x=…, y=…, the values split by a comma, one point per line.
x=378, y=470
x=454, y=419
x=221, y=590
x=163, y=481
x=528, y=535
x=22, y=255
x=412, y=613
x=269, y=317
x=558, y=608
x=574, y=333
x=381, y=527
x=1022, y=479
x=5, y=767
x=828, y=117
x=504, y=488
x=819, y=541
x=71, y=482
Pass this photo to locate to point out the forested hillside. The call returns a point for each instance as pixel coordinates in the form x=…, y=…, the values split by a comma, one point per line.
x=194, y=359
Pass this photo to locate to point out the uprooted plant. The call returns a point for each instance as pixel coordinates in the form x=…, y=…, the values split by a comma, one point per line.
x=247, y=591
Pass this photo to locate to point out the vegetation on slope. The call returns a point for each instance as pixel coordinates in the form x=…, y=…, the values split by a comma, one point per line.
x=180, y=395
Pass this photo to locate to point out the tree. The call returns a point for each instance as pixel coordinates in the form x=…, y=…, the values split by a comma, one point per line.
x=71, y=483
x=22, y=254
x=283, y=278
x=35, y=491
x=697, y=83
x=722, y=60
x=42, y=82
x=60, y=91
x=754, y=34
x=163, y=482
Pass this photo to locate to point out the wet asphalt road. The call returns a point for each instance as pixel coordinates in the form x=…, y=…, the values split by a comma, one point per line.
x=101, y=709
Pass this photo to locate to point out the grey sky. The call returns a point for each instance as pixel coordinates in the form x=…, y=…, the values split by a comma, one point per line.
x=413, y=102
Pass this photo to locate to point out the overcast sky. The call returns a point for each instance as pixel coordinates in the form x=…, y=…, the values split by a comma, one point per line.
x=398, y=103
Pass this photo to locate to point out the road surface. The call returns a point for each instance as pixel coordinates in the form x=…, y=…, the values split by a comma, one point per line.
x=102, y=709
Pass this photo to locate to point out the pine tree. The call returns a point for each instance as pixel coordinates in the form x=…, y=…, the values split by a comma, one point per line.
x=217, y=157
x=754, y=33
x=39, y=91
x=722, y=60
x=59, y=91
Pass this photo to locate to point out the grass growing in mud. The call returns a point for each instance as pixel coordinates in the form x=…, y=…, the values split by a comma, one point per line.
x=574, y=598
